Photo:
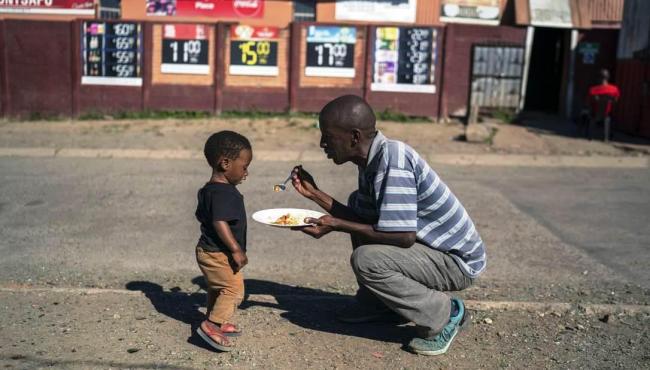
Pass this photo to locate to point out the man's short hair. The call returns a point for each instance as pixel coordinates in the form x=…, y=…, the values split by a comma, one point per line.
x=349, y=111
x=226, y=144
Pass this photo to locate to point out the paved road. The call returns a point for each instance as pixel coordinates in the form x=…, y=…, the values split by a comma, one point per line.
x=107, y=222
x=121, y=223
x=604, y=212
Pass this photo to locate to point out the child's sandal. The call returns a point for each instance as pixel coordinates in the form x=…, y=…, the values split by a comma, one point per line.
x=214, y=336
x=230, y=330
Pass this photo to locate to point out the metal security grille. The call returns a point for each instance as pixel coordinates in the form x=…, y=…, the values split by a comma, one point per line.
x=496, y=76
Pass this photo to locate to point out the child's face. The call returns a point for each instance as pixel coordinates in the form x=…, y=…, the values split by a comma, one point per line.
x=236, y=170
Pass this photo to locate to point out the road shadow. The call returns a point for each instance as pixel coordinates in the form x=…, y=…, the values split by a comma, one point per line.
x=549, y=124
x=308, y=308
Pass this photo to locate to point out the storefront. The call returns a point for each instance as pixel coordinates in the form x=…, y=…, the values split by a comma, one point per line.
x=551, y=49
x=483, y=57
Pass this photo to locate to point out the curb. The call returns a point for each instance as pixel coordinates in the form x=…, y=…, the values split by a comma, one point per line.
x=590, y=309
x=503, y=160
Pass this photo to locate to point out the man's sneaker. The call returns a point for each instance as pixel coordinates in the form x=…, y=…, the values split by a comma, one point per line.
x=357, y=313
x=439, y=343
x=211, y=333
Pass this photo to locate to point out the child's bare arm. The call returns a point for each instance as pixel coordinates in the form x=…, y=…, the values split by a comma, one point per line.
x=238, y=255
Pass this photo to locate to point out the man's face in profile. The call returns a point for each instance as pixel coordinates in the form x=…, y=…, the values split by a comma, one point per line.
x=335, y=141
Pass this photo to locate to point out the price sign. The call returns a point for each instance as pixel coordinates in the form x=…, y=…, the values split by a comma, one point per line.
x=405, y=59
x=111, y=53
x=254, y=51
x=414, y=56
x=185, y=49
x=330, y=51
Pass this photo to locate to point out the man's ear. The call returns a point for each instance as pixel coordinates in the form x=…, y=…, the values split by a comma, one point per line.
x=356, y=136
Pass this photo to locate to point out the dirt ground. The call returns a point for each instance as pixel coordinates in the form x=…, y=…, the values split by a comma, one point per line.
x=535, y=136
x=82, y=331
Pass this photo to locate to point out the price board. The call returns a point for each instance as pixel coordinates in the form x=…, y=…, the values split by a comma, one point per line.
x=405, y=59
x=253, y=51
x=330, y=51
x=111, y=53
x=185, y=49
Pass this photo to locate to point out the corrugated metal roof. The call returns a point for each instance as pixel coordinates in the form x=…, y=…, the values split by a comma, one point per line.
x=606, y=10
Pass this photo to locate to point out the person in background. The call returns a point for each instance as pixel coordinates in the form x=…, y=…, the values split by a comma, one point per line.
x=600, y=103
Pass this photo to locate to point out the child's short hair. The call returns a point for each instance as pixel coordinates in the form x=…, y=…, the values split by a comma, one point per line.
x=224, y=144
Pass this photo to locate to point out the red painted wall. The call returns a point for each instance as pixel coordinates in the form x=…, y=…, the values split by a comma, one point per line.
x=41, y=73
x=457, y=53
x=37, y=69
x=632, y=114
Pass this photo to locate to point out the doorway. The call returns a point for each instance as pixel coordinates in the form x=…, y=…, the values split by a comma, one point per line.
x=547, y=62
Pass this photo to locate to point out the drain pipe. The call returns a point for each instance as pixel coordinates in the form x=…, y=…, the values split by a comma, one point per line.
x=530, y=32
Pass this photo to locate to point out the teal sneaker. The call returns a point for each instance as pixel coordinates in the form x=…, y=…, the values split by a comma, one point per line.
x=439, y=343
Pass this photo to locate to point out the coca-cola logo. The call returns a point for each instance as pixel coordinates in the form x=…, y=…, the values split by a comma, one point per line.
x=248, y=8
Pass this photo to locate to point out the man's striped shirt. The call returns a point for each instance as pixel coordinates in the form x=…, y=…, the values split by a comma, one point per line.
x=399, y=192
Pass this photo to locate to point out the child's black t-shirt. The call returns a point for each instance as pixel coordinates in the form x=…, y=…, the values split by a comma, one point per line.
x=220, y=202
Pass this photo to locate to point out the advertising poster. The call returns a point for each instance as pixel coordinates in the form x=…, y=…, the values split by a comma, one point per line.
x=73, y=7
x=206, y=8
x=550, y=13
x=330, y=51
x=185, y=49
x=111, y=53
x=470, y=11
x=402, y=11
x=404, y=59
x=589, y=51
x=254, y=51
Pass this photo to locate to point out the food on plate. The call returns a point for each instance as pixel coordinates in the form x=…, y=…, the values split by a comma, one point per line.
x=286, y=220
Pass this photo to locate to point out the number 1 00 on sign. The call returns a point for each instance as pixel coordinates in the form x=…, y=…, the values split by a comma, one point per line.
x=185, y=56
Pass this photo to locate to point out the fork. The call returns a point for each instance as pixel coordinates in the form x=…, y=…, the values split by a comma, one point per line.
x=282, y=187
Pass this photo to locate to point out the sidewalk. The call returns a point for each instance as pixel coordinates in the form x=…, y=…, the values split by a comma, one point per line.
x=297, y=139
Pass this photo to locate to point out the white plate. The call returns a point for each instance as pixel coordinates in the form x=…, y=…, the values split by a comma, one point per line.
x=268, y=216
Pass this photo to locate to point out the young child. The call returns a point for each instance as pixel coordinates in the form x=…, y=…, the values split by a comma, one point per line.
x=221, y=250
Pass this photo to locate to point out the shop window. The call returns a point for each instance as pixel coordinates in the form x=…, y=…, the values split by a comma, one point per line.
x=304, y=10
x=109, y=9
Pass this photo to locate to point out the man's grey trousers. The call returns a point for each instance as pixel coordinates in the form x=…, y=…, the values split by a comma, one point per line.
x=410, y=281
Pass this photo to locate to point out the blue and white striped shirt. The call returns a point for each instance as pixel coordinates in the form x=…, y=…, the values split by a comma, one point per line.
x=399, y=192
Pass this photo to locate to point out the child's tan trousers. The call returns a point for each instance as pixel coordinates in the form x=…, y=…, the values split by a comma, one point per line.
x=225, y=288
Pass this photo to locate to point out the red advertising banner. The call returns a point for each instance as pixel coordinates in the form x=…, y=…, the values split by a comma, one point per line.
x=245, y=32
x=74, y=7
x=206, y=8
